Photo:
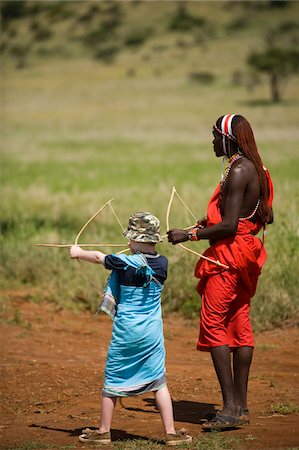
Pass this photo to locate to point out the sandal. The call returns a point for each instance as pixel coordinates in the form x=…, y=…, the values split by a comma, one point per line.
x=180, y=437
x=222, y=421
x=209, y=416
x=94, y=436
x=244, y=416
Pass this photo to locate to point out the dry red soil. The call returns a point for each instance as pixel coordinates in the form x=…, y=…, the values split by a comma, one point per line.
x=52, y=368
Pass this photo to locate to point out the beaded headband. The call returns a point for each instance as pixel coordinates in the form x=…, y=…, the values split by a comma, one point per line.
x=226, y=130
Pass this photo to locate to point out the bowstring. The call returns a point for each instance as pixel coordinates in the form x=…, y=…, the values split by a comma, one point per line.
x=174, y=191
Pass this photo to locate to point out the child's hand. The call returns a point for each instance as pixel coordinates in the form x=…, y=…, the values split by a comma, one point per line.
x=75, y=251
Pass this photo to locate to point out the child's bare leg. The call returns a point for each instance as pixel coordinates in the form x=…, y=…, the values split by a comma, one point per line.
x=107, y=409
x=164, y=405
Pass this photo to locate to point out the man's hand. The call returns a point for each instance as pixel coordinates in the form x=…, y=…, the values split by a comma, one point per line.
x=177, y=236
x=202, y=223
x=75, y=251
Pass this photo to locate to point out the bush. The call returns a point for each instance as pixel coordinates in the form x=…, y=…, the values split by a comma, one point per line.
x=278, y=3
x=106, y=53
x=88, y=15
x=41, y=33
x=183, y=21
x=11, y=10
x=238, y=23
x=137, y=37
x=19, y=51
x=59, y=10
x=93, y=37
x=202, y=77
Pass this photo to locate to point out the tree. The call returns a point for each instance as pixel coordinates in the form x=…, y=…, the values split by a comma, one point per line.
x=278, y=63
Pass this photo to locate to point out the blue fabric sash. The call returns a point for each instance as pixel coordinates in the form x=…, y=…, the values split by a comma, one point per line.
x=111, y=293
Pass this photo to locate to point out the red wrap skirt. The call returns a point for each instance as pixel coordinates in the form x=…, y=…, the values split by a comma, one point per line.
x=224, y=317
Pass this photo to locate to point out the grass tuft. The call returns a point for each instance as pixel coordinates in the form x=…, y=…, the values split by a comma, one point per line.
x=284, y=408
x=36, y=445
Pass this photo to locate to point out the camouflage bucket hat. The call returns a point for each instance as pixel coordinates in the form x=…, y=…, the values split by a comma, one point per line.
x=143, y=227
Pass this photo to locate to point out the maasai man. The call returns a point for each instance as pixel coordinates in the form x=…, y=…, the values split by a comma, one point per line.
x=238, y=209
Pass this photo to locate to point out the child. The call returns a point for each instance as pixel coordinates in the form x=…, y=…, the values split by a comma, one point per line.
x=136, y=356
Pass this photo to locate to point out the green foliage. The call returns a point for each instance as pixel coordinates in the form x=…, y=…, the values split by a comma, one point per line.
x=281, y=62
x=284, y=408
x=278, y=63
x=106, y=52
x=138, y=37
x=101, y=37
x=57, y=10
x=182, y=20
x=202, y=77
x=11, y=10
x=42, y=33
x=238, y=23
x=279, y=3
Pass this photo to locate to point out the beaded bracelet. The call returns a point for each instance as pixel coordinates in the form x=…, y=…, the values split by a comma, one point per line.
x=192, y=235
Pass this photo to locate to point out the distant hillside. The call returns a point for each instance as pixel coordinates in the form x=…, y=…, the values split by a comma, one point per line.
x=136, y=32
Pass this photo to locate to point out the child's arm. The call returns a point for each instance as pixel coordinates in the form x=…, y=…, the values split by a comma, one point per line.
x=92, y=256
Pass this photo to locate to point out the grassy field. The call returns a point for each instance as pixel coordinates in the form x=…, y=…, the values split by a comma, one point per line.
x=78, y=132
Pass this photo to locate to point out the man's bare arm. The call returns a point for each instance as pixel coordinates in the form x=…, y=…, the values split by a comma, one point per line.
x=236, y=186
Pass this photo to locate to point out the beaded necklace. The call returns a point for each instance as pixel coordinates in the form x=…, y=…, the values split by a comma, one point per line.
x=253, y=212
x=231, y=161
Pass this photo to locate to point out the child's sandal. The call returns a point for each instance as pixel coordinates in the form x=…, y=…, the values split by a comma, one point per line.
x=180, y=437
x=94, y=436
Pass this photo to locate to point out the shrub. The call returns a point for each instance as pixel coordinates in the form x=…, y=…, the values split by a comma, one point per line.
x=11, y=10
x=41, y=33
x=137, y=37
x=106, y=53
x=88, y=15
x=202, y=77
x=59, y=10
x=238, y=23
x=183, y=20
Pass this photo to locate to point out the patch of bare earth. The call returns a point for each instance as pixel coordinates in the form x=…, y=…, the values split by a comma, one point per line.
x=52, y=365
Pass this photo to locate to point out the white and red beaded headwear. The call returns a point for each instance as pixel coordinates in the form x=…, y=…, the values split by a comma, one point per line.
x=226, y=130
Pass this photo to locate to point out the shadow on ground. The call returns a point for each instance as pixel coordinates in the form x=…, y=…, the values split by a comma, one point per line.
x=184, y=410
x=116, y=434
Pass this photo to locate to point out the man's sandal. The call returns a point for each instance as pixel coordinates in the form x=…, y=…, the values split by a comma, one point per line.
x=244, y=416
x=222, y=421
x=180, y=437
x=95, y=437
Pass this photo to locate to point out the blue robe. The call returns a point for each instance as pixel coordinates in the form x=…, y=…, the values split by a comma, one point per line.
x=136, y=355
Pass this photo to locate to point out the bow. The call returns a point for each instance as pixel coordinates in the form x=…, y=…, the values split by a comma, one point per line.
x=173, y=193
x=91, y=280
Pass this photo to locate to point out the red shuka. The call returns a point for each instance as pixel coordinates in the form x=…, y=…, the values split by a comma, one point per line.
x=245, y=255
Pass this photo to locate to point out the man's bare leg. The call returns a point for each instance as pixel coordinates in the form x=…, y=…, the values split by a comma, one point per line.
x=222, y=363
x=241, y=363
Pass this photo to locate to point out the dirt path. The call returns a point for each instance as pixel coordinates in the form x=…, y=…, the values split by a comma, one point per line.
x=52, y=365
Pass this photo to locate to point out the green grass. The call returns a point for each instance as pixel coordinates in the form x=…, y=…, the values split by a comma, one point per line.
x=78, y=132
x=35, y=445
x=212, y=441
x=266, y=347
x=284, y=408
